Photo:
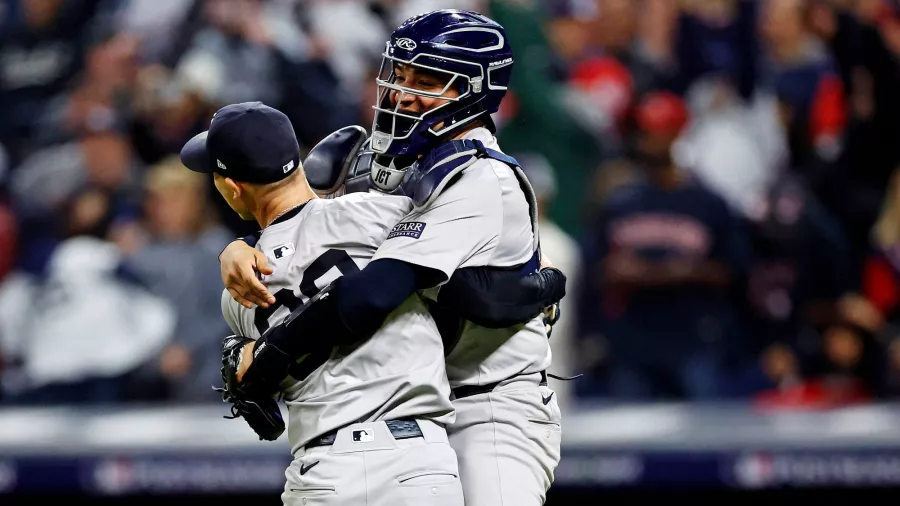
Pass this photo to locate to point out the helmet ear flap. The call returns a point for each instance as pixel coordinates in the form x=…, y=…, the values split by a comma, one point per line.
x=498, y=78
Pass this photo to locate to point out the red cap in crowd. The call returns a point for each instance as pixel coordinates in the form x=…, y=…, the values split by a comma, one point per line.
x=661, y=112
x=608, y=84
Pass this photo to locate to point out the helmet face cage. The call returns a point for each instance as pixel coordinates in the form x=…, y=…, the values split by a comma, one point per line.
x=391, y=124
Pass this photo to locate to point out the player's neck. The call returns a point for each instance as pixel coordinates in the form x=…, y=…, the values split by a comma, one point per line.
x=462, y=133
x=277, y=203
x=465, y=130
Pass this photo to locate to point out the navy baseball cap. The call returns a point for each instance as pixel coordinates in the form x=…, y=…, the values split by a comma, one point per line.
x=248, y=142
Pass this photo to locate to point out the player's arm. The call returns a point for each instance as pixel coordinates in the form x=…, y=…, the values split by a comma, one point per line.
x=346, y=311
x=490, y=297
x=422, y=251
x=240, y=265
x=501, y=298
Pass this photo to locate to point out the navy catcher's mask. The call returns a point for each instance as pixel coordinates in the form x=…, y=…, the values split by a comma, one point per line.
x=467, y=52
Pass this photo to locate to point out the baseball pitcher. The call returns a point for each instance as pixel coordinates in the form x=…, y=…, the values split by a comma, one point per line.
x=366, y=420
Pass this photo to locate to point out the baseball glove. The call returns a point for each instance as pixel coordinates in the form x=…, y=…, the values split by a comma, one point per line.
x=260, y=411
x=551, y=316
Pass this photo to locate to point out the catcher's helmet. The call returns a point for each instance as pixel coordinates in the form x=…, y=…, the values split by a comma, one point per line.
x=470, y=49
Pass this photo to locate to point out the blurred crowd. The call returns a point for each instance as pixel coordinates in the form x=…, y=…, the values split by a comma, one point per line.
x=718, y=179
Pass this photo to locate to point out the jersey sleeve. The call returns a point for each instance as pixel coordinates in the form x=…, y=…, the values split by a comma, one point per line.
x=461, y=227
x=230, y=313
x=364, y=217
x=379, y=214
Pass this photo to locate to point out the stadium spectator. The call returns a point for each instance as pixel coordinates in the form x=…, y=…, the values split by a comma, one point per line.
x=670, y=248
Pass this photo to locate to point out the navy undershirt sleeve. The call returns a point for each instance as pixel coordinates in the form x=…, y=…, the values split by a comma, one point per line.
x=355, y=307
x=367, y=297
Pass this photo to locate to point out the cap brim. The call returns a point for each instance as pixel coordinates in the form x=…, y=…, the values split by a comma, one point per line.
x=195, y=156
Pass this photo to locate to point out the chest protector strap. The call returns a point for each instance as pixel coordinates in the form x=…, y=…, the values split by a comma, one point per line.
x=443, y=165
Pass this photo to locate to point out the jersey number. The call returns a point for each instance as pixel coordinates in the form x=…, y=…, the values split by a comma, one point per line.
x=318, y=268
x=285, y=298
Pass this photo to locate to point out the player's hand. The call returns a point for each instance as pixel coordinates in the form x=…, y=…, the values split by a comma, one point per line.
x=240, y=264
x=246, y=360
x=551, y=316
x=551, y=312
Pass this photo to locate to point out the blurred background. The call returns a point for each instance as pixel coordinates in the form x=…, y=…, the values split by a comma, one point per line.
x=718, y=179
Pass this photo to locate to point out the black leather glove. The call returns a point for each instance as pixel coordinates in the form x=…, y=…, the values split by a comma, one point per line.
x=258, y=408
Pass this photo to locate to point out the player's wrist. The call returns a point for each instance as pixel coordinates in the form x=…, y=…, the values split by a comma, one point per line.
x=326, y=321
x=249, y=240
x=553, y=284
x=315, y=325
x=269, y=367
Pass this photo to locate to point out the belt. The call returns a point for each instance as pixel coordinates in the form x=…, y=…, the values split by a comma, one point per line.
x=400, y=429
x=470, y=390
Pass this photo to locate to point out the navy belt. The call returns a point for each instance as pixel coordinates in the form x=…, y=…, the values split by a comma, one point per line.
x=470, y=390
x=400, y=429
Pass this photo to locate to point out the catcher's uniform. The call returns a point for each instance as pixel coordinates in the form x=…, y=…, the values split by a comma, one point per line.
x=366, y=427
x=507, y=432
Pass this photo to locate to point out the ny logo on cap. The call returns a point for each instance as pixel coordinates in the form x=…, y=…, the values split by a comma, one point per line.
x=220, y=164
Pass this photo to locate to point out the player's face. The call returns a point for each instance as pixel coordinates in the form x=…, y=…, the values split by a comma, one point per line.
x=421, y=80
x=234, y=196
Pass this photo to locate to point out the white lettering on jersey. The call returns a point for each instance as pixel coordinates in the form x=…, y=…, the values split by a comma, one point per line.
x=411, y=229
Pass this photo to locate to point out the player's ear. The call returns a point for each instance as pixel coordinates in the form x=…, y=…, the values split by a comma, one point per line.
x=235, y=187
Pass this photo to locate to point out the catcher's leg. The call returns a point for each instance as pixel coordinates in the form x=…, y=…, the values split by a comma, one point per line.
x=367, y=465
x=508, y=444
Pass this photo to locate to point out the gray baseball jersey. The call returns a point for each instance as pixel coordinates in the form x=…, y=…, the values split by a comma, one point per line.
x=399, y=372
x=481, y=220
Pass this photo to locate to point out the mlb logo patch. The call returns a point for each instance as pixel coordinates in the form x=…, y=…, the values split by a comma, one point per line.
x=363, y=436
x=283, y=250
x=407, y=229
